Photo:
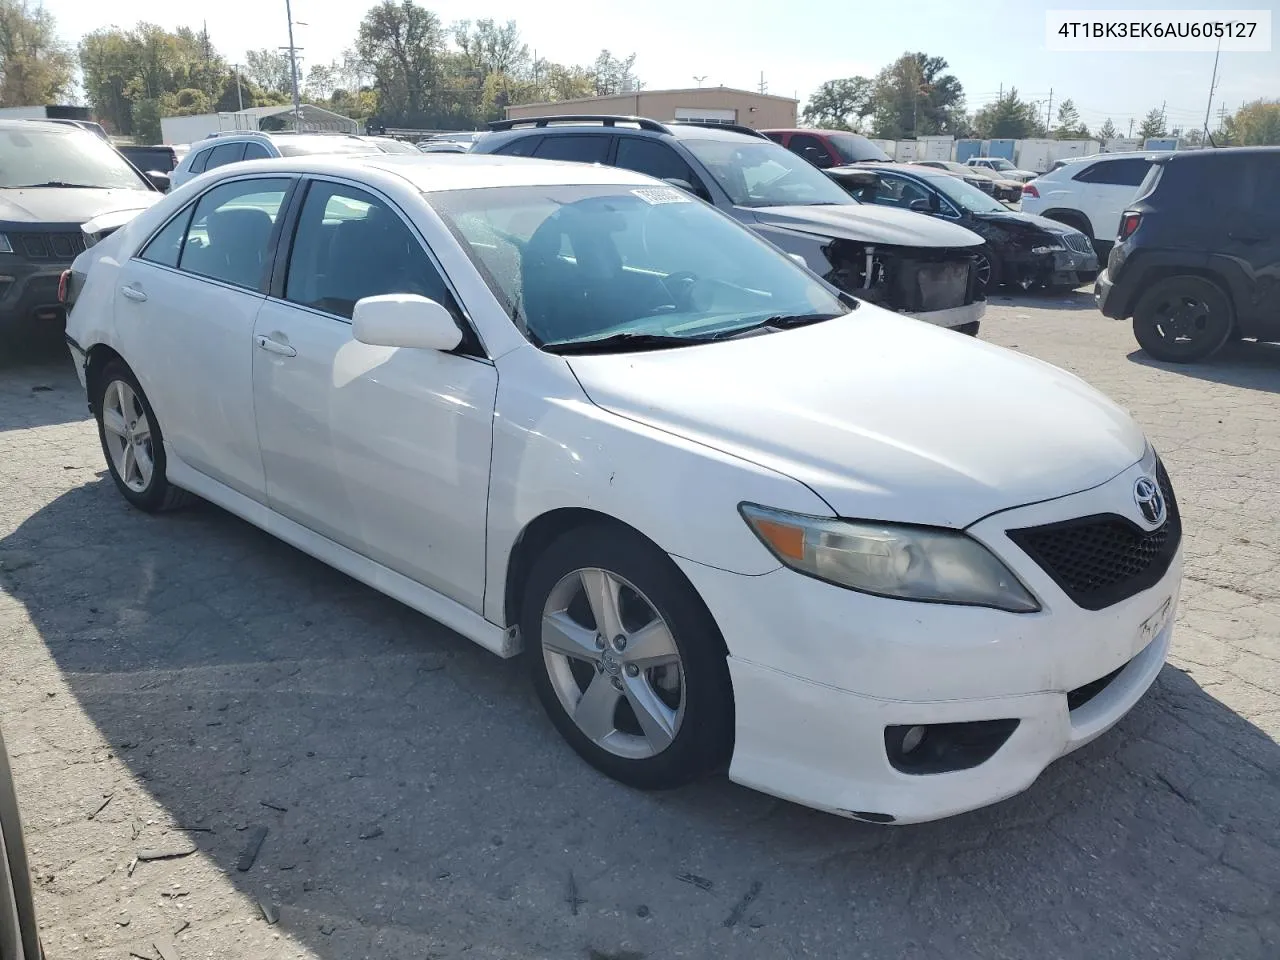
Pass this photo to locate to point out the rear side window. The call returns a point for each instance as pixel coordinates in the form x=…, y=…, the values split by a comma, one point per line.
x=225, y=153
x=166, y=246
x=580, y=149
x=1127, y=172
x=199, y=160
x=522, y=147
x=231, y=229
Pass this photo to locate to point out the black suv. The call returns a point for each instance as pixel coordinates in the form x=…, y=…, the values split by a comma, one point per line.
x=896, y=259
x=1197, y=262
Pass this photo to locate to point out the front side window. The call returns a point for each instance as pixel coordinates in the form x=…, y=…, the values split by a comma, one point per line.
x=855, y=149
x=759, y=173
x=520, y=147
x=255, y=151
x=350, y=245
x=579, y=263
x=654, y=158
x=1000, y=163
x=966, y=195
x=230, y=234
x=225, y=153
x=894, y=191
x=811, y=148
x=63, y=157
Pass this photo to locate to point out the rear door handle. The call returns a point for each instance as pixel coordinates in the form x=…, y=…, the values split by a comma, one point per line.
x=276, y=347
x=133, y=292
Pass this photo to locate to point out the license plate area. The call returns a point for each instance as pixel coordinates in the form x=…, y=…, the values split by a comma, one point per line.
x=1155, y=624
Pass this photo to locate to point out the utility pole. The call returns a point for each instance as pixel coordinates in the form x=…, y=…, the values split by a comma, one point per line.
x=1164, y=120
x=1048, y=113
x=764, y=87
x=1131, y=127
x=239, y=89
x=1213, y=82
x=293, y=70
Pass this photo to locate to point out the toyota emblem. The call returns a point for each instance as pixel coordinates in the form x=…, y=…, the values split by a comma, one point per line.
x=1146, y=493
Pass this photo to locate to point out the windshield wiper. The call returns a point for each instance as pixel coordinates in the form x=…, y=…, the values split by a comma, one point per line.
x=622, y=342
x=784, y=321
x=59, y=183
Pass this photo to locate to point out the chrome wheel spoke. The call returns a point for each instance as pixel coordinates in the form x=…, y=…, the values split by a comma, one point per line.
x=595, y=708
x=142, y=459
x=602, y=594
x=657, y=720
x=113, y=422
x=562, y=635
x=142, y=429
x=651, y=646
x=128, y=465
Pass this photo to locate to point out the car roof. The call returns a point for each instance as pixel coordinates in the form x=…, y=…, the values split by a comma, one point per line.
x=50, y=126
x=820, y=130
x=434, y=172
x=680, y=131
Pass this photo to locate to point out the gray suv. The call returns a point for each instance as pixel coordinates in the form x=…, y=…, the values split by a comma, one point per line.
x=219, y=149
x=897, y=259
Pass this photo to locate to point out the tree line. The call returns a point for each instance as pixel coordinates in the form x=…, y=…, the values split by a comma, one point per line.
x=916, y=96
x=404, y=68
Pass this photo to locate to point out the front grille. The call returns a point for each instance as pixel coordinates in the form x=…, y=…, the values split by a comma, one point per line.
x=1103, y=559
x=1079, y=243
x=51, y=246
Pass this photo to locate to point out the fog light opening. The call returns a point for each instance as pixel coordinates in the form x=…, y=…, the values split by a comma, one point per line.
x=912, y=738
x=945, y=747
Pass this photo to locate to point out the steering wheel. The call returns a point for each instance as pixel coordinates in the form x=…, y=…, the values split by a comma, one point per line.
x=680, y=285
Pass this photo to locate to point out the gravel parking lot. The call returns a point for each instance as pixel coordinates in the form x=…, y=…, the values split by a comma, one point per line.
x=171, y=686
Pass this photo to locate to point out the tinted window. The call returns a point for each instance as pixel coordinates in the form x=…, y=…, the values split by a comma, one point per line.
x=757, y=173
x=255, y=151
x=654, y=158
x=230, y=234
x=150, y=158
x=811, y=148
x=166, y=246
x=521, y=147
x=583, y=149
x=579, y=262
x=350, y=245
x=199, y=160
x=775, y=137
x=853, y=148
x=1128, y=172
x=894, y=191
x=36, y=155
x=225, y=153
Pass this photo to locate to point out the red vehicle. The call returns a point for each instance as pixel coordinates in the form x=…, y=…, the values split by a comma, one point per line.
x=828, y=148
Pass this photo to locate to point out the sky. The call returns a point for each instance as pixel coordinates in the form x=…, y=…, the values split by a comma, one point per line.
x=989, y=44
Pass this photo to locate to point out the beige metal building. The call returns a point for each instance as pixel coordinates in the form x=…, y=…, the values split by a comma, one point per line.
x=760, y=110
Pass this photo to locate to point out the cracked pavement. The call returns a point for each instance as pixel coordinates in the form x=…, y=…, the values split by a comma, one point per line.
x=188, y=678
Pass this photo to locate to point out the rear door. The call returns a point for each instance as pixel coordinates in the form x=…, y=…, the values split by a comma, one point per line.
x=1103, y=189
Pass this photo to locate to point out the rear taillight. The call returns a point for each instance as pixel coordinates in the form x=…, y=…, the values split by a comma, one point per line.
x=1029, y=190
x=1128, y=223
x=64, y=286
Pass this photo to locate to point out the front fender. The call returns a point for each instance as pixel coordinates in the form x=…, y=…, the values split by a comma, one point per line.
x=554, y=449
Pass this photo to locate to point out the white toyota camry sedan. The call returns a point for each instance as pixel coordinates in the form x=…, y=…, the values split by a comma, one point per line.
x=730, y=514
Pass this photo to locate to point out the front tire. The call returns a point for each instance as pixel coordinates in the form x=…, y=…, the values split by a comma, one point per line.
x=132, y=442
x=626, y=659
x=1183, y=319
x=969, y=329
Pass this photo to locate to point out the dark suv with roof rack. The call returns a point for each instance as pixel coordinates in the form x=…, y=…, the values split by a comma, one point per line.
x=1197, y=260
x=895, y=259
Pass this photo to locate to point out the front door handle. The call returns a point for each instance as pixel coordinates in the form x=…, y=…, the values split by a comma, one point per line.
x=133, y=292
x=276, y=347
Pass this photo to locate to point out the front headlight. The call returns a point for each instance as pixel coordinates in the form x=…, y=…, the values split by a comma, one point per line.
x=1049, y=248
x=5, y=245
x=890, y=559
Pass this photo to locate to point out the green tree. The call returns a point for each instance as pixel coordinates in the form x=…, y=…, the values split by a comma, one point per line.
x=915, y=96
x=1007, y=117
x=271, y=71
x=1108, y=131
x=1153, y=125
x=36, y=68
x=1069, y=126
x=556, y=81
x=491, y=48
x=1254, y=124
x=404, y=45
x=614, y=75
x=840, y=104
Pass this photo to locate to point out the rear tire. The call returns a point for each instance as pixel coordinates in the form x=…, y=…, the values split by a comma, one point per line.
x=651, y=727
x=132, y=442
x=1183, y=319
x=969, y=329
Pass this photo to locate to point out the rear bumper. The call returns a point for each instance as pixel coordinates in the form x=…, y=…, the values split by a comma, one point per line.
x=1104, y=296
x=954, y=316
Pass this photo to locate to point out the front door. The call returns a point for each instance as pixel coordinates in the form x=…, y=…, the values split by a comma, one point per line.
x=383, y=450
x=187, y=305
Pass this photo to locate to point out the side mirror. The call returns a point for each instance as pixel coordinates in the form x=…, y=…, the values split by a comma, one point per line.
x=404, y=320
x=920, y=205
x=158, y=180
x=688, y=187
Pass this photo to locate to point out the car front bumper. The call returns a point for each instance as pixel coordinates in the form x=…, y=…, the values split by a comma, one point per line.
x=819, y=672
x=29, y=296
x=953, y=316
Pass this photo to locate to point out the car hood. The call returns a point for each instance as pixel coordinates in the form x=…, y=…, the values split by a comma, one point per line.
x=884, y=417
x=868, y=224
x=69, y=205
x=1025, y=221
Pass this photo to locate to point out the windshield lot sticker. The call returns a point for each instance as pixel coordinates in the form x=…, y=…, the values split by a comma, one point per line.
x=656, y=195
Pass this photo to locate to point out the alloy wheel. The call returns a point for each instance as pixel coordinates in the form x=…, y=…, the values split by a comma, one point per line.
x=613, y=663
x=128, y=436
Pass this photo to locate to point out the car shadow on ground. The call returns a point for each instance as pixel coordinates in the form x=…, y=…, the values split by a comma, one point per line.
x=1079, y=299
x=418, y=804
x=1251, y=364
